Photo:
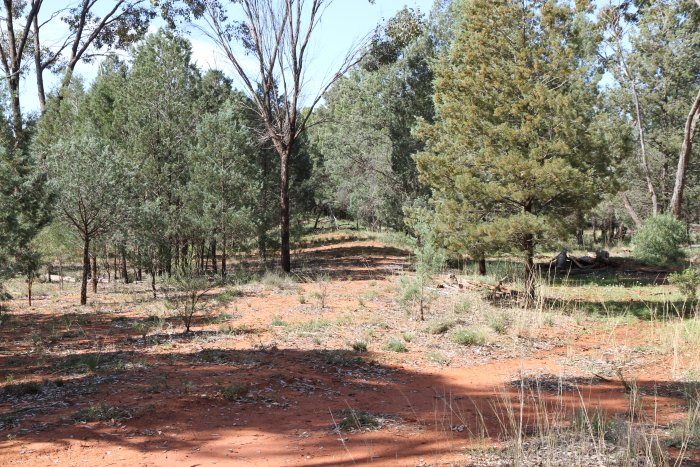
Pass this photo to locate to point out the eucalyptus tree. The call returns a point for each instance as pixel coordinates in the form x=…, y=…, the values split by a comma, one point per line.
x=278, y=35
x=365, y=146
x=653, y=54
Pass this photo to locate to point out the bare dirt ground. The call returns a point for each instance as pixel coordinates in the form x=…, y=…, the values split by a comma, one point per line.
x=271, y=377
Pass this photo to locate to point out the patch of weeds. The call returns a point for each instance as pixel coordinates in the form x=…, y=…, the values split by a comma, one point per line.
x=316, y=341
x=408, y=336
x=23, y=389
x=359, y=346
x=240, y=330
x=276, y=280
x=355, y=420
x=322, y=293
x=235, y=391
x=82, y=362
x=339, y=358
x=395, y=345
x=228, y=295
x=187, y=386
x=278, y=322
x=214, y=356
x=302, y=298
x=437, y=358
x=315, y=325
x=100, y=412
x=499, y=323
x=345, y=320
x=462, y=308
x=142, y=328
x=441, y=327
x=469, y=337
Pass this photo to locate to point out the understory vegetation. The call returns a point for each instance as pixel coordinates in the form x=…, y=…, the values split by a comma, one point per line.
x=476, y=235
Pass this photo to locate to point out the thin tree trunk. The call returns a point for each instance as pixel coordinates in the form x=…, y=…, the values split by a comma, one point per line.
x=153, y=283
x=94, y=273
x=125, y=271
x=213, y=256
x=687, y=148
x=86, y=271
x=223, y=256
x=630, y=210
x=284, y=211
x=482, y=266
x=529, y=247
x=38, y=67
x=60, y=273
x=643, y=148
x=48, y=270
x=29, y=290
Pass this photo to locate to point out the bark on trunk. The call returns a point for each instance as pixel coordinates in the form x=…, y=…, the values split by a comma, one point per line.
x=482, y=267
x=29, y=291
x=125, y=271
x=38, y=66
x=60, y=273
x=284, y=212
x=223, y=257
x=86, y=271
x=687, y=148
x=94, y=274
x=214, y=264
x=642, y=146
x=631, y=211
x=529, y=271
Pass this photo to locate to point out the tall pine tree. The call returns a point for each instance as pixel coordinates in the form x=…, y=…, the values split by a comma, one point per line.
x=512, y=153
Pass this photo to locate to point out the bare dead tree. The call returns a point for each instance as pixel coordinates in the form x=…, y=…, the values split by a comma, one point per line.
x=124, y=22
x=278, y=35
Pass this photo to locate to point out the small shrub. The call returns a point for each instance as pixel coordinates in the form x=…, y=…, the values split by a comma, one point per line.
x=469, y=337
x=499, y=323
x=355, y=420
x=359, y=346
x=302, y=298
x=277, y=280
x=437, y=357
x=339, y=357
x=235, y=391
x=408, y=336
x=440, y=327
x=278, y=322
x=687, y=282
x=228, y=295
x=142, y=328
x=100, y=412
x=23, y=389
x=659, y=240
x=314, y=325
x=395, y=345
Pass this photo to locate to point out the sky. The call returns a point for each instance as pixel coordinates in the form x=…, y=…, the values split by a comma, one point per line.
x=344, y=23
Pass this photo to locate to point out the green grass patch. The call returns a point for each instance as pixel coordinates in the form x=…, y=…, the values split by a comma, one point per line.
x=469, y=337
x=395, y=345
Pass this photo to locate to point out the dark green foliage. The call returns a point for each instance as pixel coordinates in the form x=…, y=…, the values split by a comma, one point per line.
x=686, y=281
x=100, y=413
x=514, y=149
x=659, y=240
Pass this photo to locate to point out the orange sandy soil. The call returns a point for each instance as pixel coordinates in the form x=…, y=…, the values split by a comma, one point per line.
x=432, y=409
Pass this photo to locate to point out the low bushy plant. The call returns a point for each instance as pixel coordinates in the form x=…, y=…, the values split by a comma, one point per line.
x=659, y=240
x=686, y=281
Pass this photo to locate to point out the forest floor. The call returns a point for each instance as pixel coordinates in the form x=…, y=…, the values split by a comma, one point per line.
x=277, y=373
